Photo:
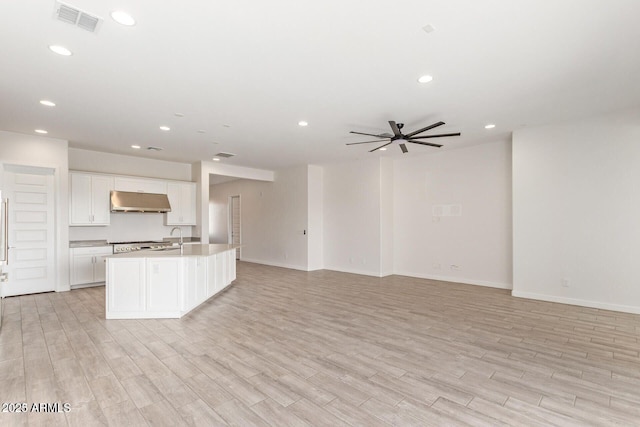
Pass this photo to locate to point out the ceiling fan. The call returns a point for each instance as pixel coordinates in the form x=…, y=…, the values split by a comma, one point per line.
x=402, y=138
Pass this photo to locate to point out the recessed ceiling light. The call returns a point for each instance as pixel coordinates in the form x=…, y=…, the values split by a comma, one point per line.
x=60, y=50
x=429, y=28
x=383, y=149
x=201, y=131
x=303, y=123
x=490, y=126
x=178, y=114
x=165, y=128
x=123, y=18
x=425, y=79
x=215, y=159
x=137, y=147
x=42, y=131
x=47, y=103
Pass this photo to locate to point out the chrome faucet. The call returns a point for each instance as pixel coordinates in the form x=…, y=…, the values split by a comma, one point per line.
x=180, y=242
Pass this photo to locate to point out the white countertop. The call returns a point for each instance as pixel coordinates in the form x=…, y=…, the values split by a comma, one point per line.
x=191, y=250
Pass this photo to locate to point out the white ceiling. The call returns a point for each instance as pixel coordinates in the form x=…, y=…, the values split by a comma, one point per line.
x=246, y=72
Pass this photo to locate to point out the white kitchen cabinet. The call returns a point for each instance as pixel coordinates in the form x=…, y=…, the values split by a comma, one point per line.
x=88, y=264
x=195, y=277
x=159, y=284
x=164, y=276
x=89, y=199
x=126, y=291
x=182, y=197
x=140, y=185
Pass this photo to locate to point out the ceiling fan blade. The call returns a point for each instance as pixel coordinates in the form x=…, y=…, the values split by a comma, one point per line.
x=403, y=147
x=436, y=136
x=394, y=128
x=384, y=145
x=365, y=142
x=424, y=143
x=435, y=125
x=382, y=135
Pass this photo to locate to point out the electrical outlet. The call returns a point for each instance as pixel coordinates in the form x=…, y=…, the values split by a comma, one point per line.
x=350, y=260
x=454, y=267
x=565, y=283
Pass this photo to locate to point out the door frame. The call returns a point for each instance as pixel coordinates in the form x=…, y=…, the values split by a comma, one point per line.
x=60, y=275
x=230, y=222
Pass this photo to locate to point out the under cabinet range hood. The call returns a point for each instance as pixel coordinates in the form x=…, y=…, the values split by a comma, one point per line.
x=127, y=201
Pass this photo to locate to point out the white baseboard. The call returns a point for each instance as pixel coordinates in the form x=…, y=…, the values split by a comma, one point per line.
x=465, y=281
x=274, y=264
x=353, y=271
x=575, y=301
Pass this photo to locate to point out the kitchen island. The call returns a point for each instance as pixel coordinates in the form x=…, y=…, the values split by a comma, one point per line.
x=168, y=282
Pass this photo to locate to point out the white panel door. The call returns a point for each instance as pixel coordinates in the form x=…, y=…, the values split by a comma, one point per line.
x=31, y=234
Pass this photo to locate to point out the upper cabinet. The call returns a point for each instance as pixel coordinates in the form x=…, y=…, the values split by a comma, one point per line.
x=182, y=197
x=89, y=199
x=140, y=185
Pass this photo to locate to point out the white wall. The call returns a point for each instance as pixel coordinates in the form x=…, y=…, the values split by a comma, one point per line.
x=273, y=217
x=52, y=153
x=351, y=220
x=315, y=221
x=200, y=173
x=478, y=242
x=118, y=164
x=387, y=244
x=576, y=208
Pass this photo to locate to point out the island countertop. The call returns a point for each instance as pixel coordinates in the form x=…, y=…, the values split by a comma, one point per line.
x=190, y=250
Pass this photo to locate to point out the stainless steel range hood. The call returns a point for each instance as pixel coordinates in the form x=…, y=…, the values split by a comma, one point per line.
x=127, y=201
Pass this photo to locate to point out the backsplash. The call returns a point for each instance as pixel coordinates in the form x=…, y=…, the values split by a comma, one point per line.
x=129, y=227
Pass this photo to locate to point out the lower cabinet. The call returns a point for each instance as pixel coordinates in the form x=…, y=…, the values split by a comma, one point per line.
x=88, y=265
x=164, y=275
x=164, y=287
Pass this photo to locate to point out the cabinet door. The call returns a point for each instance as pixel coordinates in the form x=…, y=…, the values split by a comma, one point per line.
x=164, y=279
x=80, y=198
x=101, y=187
x=189, y=204
x=125, y=286
x=100, y=265
x=81, y=268
x=182, y=197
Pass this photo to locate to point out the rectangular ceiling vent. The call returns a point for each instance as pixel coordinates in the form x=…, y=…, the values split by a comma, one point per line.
x=74, y=16
x=225, y=155
x=154, y=148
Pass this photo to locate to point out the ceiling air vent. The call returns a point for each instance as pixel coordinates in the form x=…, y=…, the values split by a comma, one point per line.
x=154, y=148
x=225, y=155
x=74, y=16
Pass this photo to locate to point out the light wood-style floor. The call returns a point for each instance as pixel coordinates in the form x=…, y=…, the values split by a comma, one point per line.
x=290, y=348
